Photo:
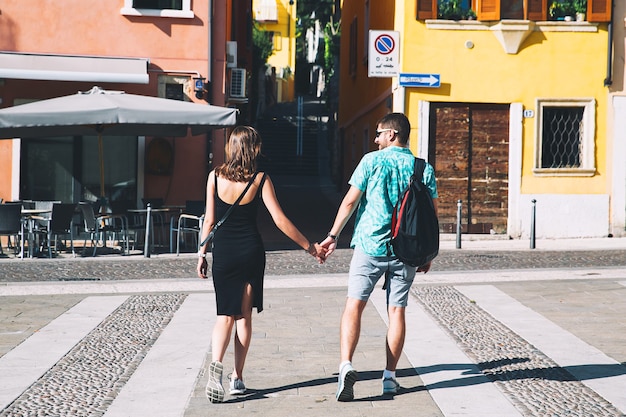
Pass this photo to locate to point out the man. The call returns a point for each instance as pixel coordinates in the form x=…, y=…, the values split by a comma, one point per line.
x=375, y=187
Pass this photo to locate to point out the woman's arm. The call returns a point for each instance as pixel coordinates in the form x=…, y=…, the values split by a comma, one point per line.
x=207, y=225
x=285, y=225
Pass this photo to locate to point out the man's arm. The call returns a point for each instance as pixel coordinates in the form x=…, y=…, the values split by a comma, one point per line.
x=347, y=207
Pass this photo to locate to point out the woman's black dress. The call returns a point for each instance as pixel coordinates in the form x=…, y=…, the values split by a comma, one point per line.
x=238, y=255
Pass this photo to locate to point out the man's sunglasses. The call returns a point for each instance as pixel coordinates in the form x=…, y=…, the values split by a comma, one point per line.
x=378, y=132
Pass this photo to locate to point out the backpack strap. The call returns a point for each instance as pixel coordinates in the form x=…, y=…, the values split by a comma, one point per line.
x=418, y=169
x=419, y=165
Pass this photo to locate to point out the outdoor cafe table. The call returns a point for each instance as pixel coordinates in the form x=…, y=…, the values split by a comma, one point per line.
x=147, y=212
x=30, y=216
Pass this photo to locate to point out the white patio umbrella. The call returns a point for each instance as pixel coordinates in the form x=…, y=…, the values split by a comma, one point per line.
x=112, y=113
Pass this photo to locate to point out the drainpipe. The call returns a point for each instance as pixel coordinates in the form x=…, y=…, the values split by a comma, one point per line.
x=399, y=97
x=210, y=53
x=609, y=61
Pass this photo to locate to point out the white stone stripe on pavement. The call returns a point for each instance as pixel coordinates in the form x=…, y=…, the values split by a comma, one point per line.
x=453, y=381
x=301, y=281
x=27, y=362
x=165, y=379
x=586, y=363
x=107, y=287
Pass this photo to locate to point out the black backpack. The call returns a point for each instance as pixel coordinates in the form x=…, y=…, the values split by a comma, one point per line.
x=414, y=223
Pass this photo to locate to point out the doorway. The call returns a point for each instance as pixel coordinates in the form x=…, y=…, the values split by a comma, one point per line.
x=469, y=149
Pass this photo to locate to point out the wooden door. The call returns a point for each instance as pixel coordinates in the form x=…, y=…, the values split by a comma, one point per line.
x=470, y=149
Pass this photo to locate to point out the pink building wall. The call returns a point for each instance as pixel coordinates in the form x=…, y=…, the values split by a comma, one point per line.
x=179, y=46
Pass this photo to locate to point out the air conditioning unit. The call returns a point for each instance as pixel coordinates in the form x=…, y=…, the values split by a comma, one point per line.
x=231, y=54
x=238, y=83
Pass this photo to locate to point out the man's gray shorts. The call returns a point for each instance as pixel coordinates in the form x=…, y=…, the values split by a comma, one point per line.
x=365, y=271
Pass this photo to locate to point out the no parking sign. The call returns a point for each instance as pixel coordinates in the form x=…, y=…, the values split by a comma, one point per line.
x=384, y=53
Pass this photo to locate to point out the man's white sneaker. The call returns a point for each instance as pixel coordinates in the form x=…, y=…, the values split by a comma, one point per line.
x=390, y=386
x=347, y=378
x=214, y=389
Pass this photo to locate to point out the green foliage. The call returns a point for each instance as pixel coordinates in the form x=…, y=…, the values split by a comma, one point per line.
x=562, y=8
x=262, y=47
x=453, y=10
x=580, y=6
x=332, y=34
x=308, y=12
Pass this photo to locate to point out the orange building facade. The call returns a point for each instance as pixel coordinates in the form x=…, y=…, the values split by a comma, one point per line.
x=51, y=49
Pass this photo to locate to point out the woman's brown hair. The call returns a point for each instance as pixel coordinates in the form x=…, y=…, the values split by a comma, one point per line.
x=242, y=151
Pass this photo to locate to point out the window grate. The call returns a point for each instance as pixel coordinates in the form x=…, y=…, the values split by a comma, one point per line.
x=563, y=133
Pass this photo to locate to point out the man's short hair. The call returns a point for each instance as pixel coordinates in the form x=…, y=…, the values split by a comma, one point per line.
x=398, y=122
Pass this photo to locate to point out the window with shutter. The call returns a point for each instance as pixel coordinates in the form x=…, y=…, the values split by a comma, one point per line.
x=159, y=8
x=513, y=9
x=599, y=11
x=426, y=9
x=537, y=10
x=488, y=10
x=158, y=4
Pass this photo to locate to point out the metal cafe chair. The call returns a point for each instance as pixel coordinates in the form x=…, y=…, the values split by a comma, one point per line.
x=59, y=223
x=11, y=225
x=135, y=224
x=97, y=226
x=188, y=222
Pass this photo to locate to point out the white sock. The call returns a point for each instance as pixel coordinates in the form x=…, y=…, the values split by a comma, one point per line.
x=389, y=374
x=341, y=365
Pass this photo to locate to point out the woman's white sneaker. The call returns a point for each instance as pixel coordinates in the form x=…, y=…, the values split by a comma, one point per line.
x=214, y=389
x=237, y=387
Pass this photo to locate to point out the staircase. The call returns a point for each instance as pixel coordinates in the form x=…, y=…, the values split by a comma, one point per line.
x=282, y=154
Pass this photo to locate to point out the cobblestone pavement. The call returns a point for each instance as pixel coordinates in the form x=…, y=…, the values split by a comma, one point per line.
x=535, y=383
x=497, y=330
x=292, y=262
x=89, y=377
x=471, y=361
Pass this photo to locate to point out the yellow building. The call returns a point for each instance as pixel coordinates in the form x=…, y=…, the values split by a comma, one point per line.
x=511, y=106
x=278, y=19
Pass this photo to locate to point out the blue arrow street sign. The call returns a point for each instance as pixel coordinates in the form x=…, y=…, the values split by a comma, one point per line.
x=420, y=80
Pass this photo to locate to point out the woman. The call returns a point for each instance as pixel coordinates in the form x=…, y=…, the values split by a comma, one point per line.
x=238, y=252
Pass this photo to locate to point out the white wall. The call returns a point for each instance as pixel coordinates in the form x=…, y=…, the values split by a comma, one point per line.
x=618, y=164
x=565, y=215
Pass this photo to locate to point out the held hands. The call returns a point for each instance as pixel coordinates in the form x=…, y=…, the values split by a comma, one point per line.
x=315, y=249
x=330, y=244
x=318, y=251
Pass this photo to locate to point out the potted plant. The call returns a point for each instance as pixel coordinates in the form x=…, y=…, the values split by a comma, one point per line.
x=580, y=7
x=562, y=10
x=453, y=10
